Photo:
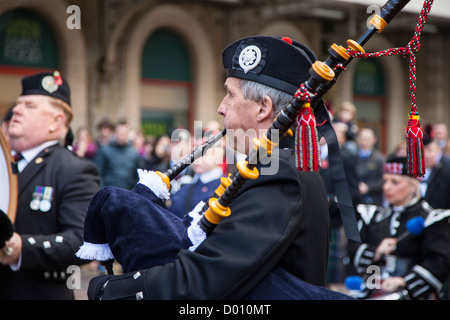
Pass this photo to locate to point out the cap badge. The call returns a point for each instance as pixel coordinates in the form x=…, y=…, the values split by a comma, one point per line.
x=49, y=84
x=249, y=58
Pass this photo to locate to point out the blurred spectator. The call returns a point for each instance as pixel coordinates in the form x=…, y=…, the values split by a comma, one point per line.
x=137, y=139
x=208, y=171
x=350, y=160
x=346, y=114
x=148, y=156
x=181, y=145
x=370, y=168
x=160, y=157
x=118, y=161
x=435, y=185
x=105, y=131
x=440, y=132
x=84, y=146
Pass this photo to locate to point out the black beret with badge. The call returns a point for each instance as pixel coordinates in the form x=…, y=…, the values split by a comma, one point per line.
x=284, y=64
x=277, y=62
x=48, y=84
x=52, y=85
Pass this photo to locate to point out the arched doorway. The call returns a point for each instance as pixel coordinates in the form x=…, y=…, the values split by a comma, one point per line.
x=166, y=88
x=204, y=68
x=370, y=98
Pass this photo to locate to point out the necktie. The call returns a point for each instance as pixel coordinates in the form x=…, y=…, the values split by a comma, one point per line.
x=17, y=157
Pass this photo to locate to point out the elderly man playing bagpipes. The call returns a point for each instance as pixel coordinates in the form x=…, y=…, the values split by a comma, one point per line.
x=266, y=238
x=278, y=221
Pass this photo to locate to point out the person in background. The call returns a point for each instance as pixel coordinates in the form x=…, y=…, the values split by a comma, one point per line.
x=370, y=167
x=346, y=114
x=118, y=161
x=207, y=170
x=84, y=146
x=137, y=139
x=418, y=263
x=55, y=187
x=148, y=156
x=181, y=145
x=105, y=132
x=440, y=132
x=160, y=156
x=435, y=185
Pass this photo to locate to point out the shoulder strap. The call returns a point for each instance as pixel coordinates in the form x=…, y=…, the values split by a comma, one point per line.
x=436, y=215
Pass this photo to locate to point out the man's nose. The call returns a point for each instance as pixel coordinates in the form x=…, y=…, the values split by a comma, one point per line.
x=17, y=108
x=221, y=110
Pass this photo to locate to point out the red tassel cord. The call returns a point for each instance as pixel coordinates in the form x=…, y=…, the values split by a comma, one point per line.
x=307, y=141
x=414, y=134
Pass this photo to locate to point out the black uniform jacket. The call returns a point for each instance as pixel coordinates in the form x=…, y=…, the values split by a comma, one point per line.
x=425, y=256
x=280, y=219
x=438, y=190
x=50, y=238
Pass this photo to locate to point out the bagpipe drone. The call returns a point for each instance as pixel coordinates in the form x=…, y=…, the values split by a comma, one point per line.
x=152, y=236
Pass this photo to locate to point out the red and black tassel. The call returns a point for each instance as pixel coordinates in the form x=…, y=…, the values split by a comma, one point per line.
x=307, y=140
x=414, y=146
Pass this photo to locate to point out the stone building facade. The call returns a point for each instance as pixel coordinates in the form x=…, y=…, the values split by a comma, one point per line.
x=158, y=63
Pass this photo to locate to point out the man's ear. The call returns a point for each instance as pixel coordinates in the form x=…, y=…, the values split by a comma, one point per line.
x=58, y=121
x=265, y=109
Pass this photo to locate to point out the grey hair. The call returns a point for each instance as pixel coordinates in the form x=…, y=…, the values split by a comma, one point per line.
x=256, y=92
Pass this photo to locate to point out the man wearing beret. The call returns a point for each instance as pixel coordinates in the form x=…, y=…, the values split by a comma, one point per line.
x=278, y=221
x=54, y=189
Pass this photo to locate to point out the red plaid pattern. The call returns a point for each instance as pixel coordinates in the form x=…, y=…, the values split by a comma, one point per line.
x=394, y=168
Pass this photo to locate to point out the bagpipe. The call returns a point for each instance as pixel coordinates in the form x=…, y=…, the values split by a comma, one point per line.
x=131, y=227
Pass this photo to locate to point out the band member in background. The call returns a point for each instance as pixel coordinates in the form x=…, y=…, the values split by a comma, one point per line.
x=55, y=187
x=420, y=263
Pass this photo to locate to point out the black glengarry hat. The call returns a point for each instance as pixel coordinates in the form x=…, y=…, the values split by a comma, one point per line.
x=396, y=165
x=47, y=84
x=284, y=64
x=277, y=62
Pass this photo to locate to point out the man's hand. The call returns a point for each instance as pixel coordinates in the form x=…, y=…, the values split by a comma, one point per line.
x=11, y=252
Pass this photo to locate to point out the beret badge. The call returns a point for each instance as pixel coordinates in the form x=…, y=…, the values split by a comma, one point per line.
x=49, y=84
x=249, y=58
